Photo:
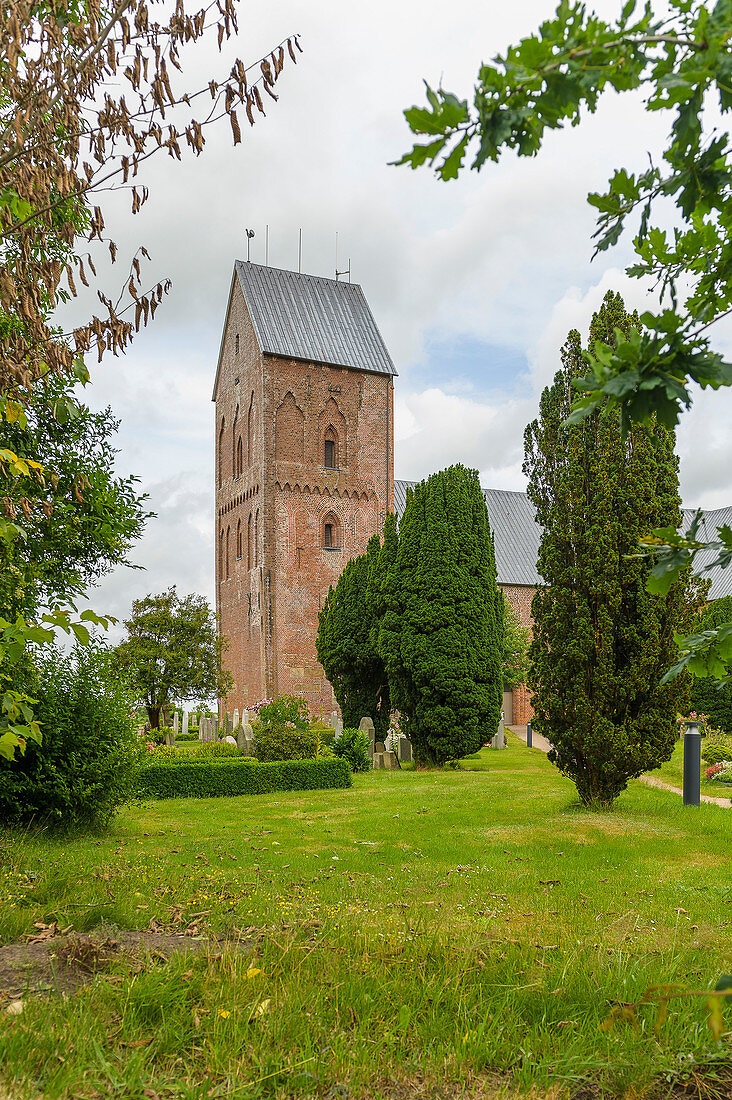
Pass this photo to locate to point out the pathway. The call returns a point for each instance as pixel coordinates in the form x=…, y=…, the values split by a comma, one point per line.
x=653, y=782
x=538, y=742
x=541, y=743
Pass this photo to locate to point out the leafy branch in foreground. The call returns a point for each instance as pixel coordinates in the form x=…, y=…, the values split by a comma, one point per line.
x=680, y=56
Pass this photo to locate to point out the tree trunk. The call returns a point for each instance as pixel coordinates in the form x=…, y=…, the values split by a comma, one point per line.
x=153, y=714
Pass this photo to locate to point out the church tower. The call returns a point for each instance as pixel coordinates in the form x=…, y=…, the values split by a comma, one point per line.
x=304, y=469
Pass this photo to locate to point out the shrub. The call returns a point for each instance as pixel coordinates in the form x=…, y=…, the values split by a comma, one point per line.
x=284, y=743
x=326, y=734
x=225, y=778
x=353, y=746
x=217, y=748
x=86, y=766
x=284, y=710
x=715, y=754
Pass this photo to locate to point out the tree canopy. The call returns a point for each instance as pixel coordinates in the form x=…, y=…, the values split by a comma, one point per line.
x=172, y=652
x=601, y=642
x=441, y=635
x=679, y=54
x=345, y=646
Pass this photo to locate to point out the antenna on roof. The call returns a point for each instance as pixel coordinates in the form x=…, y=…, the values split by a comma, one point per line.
x=299, y=255
x=250, y=234
x=347, y=270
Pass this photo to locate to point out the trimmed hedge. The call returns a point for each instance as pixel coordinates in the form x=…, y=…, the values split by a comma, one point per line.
x=224, y=778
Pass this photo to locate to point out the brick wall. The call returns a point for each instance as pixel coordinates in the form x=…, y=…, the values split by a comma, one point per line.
x=519, y=596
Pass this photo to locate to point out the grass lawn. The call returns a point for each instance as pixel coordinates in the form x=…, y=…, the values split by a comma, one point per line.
x=446, y=933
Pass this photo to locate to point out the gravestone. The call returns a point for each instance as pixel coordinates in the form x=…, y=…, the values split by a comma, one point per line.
x=176, y=726
x=334, y=720
x=244, y=735
x=169, y=736
x=390, y=760
x=499, y=740
x=228, y=727
x=378, y=760
x=367, y=726
x=379, y=746
x=338, y=727
x=404, y=750
x=235, y=719
x=185, y=723
x=229, y=740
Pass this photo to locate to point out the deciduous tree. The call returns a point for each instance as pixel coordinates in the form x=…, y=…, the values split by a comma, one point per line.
x=172, y=652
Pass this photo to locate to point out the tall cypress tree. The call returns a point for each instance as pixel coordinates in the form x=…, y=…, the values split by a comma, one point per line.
x=601, y=643
x=441, y=633
x=345, y=648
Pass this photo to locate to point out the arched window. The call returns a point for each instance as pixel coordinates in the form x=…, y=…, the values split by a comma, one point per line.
x=250, y=432
x=220, y=455
x=256, y=537
x=236, y=344
x=331, y=532
x=228, y=548
x=233, y=443
x=239, y=457
x=249, y=541
x=221, y=555
x=238, y=540
x=331, y=448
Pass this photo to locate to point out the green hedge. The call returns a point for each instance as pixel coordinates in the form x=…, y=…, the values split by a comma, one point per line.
x=223, y=778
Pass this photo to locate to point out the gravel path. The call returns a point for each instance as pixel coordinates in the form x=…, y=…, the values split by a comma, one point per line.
x=653, y=782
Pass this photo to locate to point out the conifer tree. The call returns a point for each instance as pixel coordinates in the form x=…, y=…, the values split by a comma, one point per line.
x=344, y=644
x=601, y=643
x=441, y=633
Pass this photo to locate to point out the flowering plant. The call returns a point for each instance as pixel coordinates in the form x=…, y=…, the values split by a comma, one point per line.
x=701, y=719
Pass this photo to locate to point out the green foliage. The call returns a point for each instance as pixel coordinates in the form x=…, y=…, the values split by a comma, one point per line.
x=442, y=632
x=292, y=709
x=172, y=652
x=85, y=767
x=347, y=627
x=216, y=748
x=82, y=519
x=516, y=637
x=354, y=746
x=709, y=696
x=284, y=743
x=680, y=56
x=224, y=778
x=601, y=641
x=714, y=754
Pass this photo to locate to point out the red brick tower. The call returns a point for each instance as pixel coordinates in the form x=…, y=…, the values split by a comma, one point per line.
x=304, y=469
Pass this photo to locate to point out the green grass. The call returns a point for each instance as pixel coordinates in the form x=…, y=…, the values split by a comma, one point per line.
x=466, y=931
x=673, y=772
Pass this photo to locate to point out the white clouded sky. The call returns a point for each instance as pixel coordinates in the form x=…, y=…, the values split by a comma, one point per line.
x=474, y=284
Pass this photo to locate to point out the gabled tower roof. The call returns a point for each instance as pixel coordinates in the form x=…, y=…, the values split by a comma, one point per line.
x=311, y=318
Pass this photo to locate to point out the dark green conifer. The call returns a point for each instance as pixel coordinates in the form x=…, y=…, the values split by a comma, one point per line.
x=601, y=643
x=344, y=644
x=441, y=633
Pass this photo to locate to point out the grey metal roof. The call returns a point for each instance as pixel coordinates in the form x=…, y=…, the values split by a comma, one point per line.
x=307, y=317
x=516, y=534
x=721, y=578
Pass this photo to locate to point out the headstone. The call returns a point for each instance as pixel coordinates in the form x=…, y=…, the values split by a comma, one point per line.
x=235, y=719
x=185, y=723
x=390, y=760
x=367, y=726
x=378, y=760
x=499, y=739
x=338, y=727
x=200, y=728
x=176, y=726
x=169, y=736
x=229, y=740
x=334, y=720
x=379, y=747
x=228, y=727
x=244, y=735
x=405, y=750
